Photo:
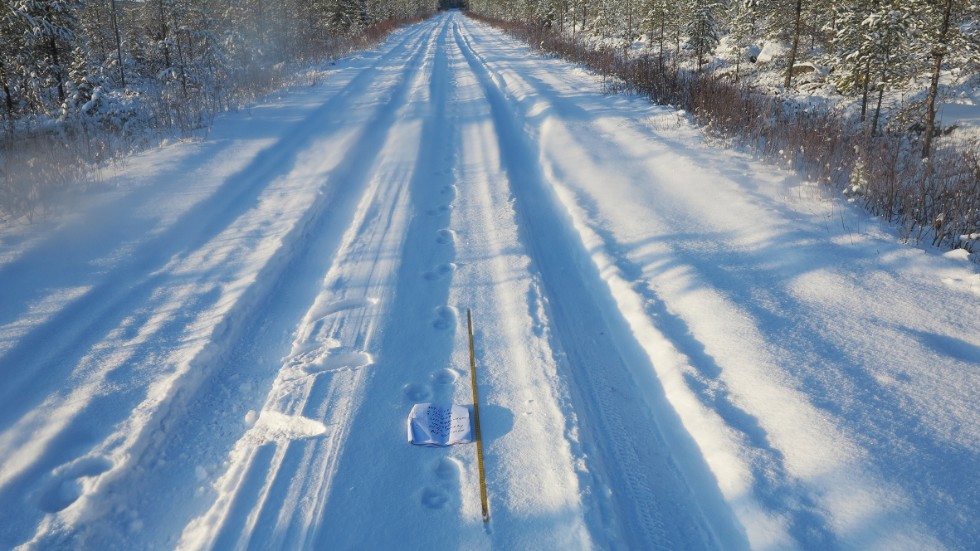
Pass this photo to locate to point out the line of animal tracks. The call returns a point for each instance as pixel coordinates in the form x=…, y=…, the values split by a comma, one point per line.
x=678, y=346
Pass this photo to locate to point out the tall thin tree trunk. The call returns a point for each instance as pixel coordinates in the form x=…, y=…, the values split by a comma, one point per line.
x=663, y=39
x=629, y=19
x=163, y=34
x=57, y=69
x=874, y=123
x=864, y=89
x=677, y=43
x=9, y=101
x=796, y=44
x=938, y=51
x=562, y=8
x=115, y=29
x=183, y=72
x=56, y=58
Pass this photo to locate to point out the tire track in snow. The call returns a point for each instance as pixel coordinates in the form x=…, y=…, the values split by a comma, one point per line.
x=420, y=491
x=804, y=505
x=229, y=370
x=777, y=487
x=351, y=398
x=52, y=346
x=536, y=499
x=626, y=452
x=272, y=494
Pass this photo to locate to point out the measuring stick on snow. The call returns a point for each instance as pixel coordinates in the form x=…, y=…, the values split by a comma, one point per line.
x=476, y=422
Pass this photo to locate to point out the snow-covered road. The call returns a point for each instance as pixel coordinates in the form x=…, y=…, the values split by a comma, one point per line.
x=678, y=347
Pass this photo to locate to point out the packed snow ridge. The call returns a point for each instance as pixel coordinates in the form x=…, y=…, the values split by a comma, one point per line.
x=677, y=347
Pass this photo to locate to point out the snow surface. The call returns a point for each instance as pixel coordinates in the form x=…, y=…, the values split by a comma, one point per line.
x=677, y=346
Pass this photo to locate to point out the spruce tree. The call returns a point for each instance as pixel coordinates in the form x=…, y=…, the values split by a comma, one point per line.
x=872, y=44
x=702, y=30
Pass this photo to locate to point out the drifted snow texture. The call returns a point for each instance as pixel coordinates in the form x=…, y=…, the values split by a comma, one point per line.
x=677, y=346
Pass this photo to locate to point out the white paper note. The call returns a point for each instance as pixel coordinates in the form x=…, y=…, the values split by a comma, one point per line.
x=439, y=425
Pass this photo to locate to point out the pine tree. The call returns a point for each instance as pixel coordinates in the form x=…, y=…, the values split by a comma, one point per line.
x=742, y=16
x=605, y=22
x=872, y=45
x=657, y=22
x=702, y=30
x=343, y=17
x=14, y=28
x=48, y=44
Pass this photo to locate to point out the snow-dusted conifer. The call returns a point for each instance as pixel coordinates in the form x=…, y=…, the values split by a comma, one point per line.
x=871, y=47
x=702, y=30
x=742, y=16
x=660, y=22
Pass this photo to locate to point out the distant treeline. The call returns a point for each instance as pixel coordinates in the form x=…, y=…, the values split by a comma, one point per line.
x=111, y=58
x=869, y=46
x=83, y=80
x=936, y=200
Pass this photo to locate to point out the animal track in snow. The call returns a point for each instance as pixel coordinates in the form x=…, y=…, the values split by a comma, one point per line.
x=446, y=376
x=446, y=237
x=434, y=498
x=445, y=318
x=451, y=190
x=440, y=271
x=446, y=473
x=416, y=393
x=442, y=209
x=447, y=470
